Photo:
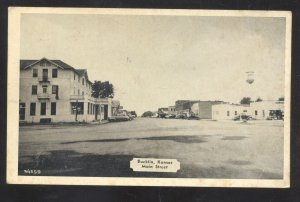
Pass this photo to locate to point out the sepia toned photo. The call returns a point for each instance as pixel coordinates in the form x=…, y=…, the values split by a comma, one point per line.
x=149, y=97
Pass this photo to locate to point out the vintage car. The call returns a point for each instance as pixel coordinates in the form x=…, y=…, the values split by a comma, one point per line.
x=118, y=117
x=181, y=116
x=193, y=117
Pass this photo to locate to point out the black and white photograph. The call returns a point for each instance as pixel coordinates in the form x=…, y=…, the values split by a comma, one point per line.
x=149, y=97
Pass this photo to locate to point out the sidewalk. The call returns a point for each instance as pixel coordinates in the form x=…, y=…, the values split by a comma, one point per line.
x=99, y=122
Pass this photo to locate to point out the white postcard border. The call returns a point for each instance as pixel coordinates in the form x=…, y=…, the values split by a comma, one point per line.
x=13, y=102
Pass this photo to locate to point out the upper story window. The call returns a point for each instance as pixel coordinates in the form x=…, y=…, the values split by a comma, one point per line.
x=34, y=90
x=82, y=81
x=55, y=89
x=54, y=73
x=34, y=73
x=45, y=88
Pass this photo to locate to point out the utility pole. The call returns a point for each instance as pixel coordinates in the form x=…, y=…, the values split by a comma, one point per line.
x=76, y=112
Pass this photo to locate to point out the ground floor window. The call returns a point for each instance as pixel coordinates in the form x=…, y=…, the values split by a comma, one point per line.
x=228, y=113
x=32, y=109
x=43, y=108
x=53, y=108
x=255, y=112
x=77, y=106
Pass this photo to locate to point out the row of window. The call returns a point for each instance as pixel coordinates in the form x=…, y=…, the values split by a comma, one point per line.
x=255, y=112
x=43, y=108
x=236, y=113
x=45, y=73
x=82, y=81
x=91, y=108
x=55, y=75
x=34, y=89
x=79, y=107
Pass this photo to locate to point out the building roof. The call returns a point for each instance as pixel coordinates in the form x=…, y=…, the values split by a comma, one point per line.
x=24, y=64
x=81, y=72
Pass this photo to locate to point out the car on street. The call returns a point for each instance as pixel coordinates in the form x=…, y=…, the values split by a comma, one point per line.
x=193, y=117
x=172, y=116
x=180, y=116
x=118, y=117
x=131, y=117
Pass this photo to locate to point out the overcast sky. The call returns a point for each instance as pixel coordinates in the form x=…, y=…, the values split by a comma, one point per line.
x=155, y=60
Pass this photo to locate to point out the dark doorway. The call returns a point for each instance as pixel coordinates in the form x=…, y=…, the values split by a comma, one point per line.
x=96, y=111
x=105, y=112
x=22, y=112
x=43, y=108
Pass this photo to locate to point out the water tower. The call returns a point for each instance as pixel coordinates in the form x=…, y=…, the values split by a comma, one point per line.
x=250, y=77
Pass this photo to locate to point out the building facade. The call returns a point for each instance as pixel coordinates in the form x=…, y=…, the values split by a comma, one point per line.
x=203, y=109
x=267, y=109
x=171, y=110
x=227, y=111
x=257, y=110
x=53, y=91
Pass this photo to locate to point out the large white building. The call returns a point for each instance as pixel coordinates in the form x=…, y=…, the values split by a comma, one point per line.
x=227, y=111
x=257, y=110
x=53, y=91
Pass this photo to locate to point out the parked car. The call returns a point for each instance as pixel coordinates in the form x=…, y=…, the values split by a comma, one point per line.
x=133, y=113
x=172, y=116
x=118, y=117
x=236, y=118
x=193, y=117
x=131, y=117
x=244, y=117
x=181, y=116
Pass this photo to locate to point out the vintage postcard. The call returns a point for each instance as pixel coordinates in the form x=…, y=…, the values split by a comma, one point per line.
x=149, y=97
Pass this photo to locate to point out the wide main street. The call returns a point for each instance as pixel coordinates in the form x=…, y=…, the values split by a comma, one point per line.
x=204, y=148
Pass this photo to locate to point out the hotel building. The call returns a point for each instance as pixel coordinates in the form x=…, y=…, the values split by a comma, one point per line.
x=53, y=91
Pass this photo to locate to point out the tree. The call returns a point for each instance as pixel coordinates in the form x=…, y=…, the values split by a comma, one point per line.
x=245, y=100
x=281, y=99
x=259, y=99
x=147, y=114
x=102, y=89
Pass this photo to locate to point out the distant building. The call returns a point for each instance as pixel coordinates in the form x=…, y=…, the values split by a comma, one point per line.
x=227, y=111
x=115, y=107
x=203, y=109
x=162, y=112
x=257, y=110
x=265, y=109
x=171, y=110
x=183, y=105
x=53, y=91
